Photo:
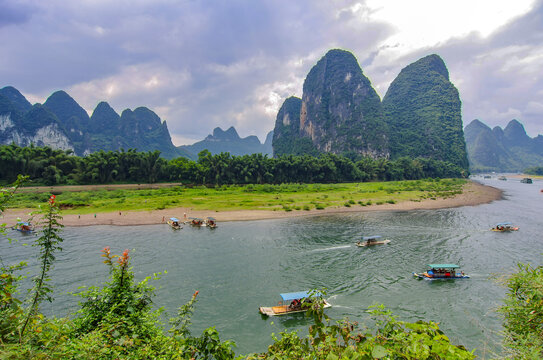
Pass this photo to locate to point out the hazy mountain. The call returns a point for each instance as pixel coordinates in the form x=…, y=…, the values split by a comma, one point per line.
x=229, y=141
x=502, y=150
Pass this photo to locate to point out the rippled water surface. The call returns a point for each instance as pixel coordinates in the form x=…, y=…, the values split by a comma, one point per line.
x=242, y=265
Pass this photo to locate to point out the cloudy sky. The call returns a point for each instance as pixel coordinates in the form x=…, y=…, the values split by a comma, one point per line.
x=203, y=64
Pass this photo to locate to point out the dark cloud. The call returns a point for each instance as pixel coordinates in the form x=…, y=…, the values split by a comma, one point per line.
x=200, y=66
x=14, y=13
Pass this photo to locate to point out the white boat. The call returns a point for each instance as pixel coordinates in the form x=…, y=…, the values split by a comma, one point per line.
x=372, y=240
x=291, y=304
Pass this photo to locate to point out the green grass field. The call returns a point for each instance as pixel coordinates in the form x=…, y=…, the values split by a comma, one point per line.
x=284, y=197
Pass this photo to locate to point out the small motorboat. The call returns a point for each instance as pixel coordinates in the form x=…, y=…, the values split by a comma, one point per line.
x=291, y=303
x=211, y=222
x=174, y=223
x=526, y=181
x=23, y=226
x=441, y=272
x=504, y=226
x=197, y=222
x=372, y=240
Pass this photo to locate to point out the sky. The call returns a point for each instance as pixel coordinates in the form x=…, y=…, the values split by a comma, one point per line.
x=221, y=63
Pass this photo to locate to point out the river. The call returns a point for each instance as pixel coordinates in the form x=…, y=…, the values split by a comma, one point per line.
x=243, y=265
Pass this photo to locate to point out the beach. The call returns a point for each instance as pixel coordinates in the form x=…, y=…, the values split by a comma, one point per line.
x=473, y=194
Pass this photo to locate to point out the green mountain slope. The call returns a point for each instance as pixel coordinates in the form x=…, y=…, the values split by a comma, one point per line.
x=423, y=111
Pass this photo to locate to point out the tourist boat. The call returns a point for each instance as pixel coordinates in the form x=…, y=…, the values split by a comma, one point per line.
x=291, y=303
x=504, y=226
x=24, y=227
x=372, y=240
x=174, y=223
x=502, y=178
x=211, y=222
x=197, y=222
x=442, y=272
x=526, y=181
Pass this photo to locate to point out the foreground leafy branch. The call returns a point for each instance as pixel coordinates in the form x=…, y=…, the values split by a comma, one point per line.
x=48, y=243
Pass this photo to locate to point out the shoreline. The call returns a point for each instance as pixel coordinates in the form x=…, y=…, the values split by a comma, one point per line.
x=473, y=194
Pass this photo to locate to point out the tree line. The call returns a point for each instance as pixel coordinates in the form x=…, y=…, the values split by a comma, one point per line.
x=44, y=165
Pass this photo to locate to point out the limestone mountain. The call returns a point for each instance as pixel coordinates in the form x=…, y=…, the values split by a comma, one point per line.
x=340, y=110
x=72, y=117
x=16, y=98
x=509, y=150
x=62, y=123
x=423, y=110
x=286, y=134
x=229, y=141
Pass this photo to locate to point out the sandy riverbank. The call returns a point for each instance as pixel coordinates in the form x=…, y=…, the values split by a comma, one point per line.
x=473, y=194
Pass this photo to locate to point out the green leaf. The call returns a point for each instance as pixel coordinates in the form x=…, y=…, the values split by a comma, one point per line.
x=378, y=352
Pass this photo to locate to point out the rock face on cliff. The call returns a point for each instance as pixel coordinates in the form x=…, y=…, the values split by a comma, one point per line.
x=423, y=112
x=340, y=110
x=509, y=150
x=286, y=134
x=62, y=123
x=229, y=141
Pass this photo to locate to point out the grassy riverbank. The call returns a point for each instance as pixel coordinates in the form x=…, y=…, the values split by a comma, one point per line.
x=284, y=197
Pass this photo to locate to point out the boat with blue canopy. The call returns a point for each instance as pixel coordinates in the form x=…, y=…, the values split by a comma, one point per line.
x=442, y=272
x=504, y=226
x=23, y=226
x=174, y=223
x=292, y=303
x=372, y=240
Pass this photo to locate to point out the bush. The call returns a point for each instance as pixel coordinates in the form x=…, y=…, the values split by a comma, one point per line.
x=523, y=313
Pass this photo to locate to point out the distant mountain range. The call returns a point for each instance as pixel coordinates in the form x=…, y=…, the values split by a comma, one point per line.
x=502, y=150
x=229, y=141
x=62, y=123
x=341, y=113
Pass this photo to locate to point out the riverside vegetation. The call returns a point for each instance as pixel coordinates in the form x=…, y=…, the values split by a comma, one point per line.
x=46, y=166
x=284, y=197
x=120, y=320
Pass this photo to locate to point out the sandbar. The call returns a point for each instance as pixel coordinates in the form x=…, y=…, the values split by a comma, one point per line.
x=473, y=194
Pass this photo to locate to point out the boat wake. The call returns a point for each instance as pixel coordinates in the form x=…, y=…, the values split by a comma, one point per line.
x=332, y=248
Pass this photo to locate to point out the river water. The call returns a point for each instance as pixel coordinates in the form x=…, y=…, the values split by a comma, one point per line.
x=243, y=265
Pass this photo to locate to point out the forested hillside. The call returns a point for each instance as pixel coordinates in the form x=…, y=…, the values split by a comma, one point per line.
x=340, y=112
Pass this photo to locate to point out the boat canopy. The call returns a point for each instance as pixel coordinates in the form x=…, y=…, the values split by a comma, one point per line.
x=446, y=266
x=23, y=223
x=193, y=218
x=297, y=295
x=174, y=219
x=210, y=218
x=374, y=237
x=504, y=224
